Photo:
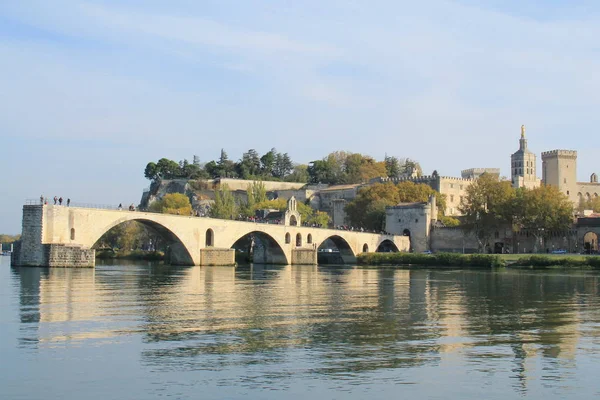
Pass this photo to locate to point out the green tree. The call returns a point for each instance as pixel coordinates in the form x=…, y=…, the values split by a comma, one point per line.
x=299, y=174
x=367, y=210
x=392, y=166
x=255, y=193
x=173, y=203
x=542, y=210
x=487, y=207
x=224, y=206
x=151, y=171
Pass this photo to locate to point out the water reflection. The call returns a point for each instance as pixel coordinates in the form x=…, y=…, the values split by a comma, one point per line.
x=320, y=321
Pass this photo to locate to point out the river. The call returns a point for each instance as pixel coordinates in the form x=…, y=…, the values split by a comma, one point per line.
x=150, y=331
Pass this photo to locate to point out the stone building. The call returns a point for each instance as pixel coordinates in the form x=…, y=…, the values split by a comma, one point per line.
x=453, y=188
x=414, y=220
x=522, y=163
x=559, y=168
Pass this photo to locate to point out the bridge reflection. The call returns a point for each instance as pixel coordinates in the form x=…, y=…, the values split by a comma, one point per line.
x=350, y=320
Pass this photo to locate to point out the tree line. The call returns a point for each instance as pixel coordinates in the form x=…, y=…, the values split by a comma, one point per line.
x=491, y=205
x=339, y=167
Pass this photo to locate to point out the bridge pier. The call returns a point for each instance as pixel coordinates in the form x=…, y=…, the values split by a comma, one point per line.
x=31, y=251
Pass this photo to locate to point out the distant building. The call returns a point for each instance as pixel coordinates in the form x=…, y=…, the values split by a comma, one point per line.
x=474, y=173
x=522, y=162
x=559, y=168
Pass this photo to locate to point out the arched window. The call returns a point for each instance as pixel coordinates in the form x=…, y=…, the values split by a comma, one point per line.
x=288, y=238
x=298, y=240
x=72, y=233
x=309, y=239
x=210, y=238
x=365, y=248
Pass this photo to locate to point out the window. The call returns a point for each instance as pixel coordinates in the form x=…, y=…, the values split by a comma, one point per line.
x=287, y=238
x=565, y=180
x=72, y=233
x=461, y=199
x=399, y=219
x=567, y=192
x=451, y=198
x=210, y=238
x=452, y=186
x=416, y=219
x=309, y=238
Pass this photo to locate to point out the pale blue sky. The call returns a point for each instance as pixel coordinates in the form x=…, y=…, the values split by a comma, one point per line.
x=93, y=90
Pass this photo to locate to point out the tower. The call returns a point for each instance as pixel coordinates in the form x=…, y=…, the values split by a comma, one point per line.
x=523, y=165
x=559, y=168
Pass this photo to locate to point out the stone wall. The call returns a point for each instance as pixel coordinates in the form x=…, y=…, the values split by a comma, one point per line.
x=453, y=240
x=214, y=256
x=304, y=256
x=68, y=256
x=31, y=251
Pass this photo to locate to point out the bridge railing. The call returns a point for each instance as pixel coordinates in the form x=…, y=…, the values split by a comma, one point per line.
x=37, y=202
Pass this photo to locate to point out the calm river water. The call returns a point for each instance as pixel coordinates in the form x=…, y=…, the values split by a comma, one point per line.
x=149, y=331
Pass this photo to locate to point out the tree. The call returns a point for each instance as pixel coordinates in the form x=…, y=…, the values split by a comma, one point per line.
x=367, y=210
x=225, y=166
x=392, y=166
x=299, y=174
x=487, y=207
x=173, y=203
x=151, y=171
x=542, y=210
x=255, y=193
x=249, y=165
x=267, y=163
x=224, y=206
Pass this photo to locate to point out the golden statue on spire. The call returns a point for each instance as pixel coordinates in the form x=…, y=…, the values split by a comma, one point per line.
x=523, y=131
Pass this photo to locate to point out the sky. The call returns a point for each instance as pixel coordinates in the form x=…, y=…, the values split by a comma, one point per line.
x=93, y=90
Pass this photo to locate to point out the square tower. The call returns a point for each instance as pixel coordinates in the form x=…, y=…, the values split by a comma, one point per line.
x=559, y=168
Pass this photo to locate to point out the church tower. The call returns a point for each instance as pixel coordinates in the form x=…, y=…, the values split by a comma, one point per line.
x=523, y=165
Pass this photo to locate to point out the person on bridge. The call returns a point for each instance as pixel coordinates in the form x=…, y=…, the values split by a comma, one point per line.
x=120, y=207
x=42, y=199
x=55, y=200
x=60, y=201
x=68, y=202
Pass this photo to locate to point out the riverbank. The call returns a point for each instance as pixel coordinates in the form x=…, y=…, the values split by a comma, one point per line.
x=131, y=255
x=479, y=260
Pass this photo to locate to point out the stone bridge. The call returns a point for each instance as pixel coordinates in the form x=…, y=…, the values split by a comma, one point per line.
x=64, y=236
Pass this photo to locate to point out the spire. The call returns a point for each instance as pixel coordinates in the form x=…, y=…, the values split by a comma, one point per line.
x=523, y=141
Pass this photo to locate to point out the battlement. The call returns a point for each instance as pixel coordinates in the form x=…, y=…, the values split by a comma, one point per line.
x=559, y=153
x=479, y=171
x=419, y=179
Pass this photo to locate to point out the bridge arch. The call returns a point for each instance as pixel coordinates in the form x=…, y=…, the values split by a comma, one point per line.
x=387, y=246
x=264, y=248
x=346, y=253
x=177, y=254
